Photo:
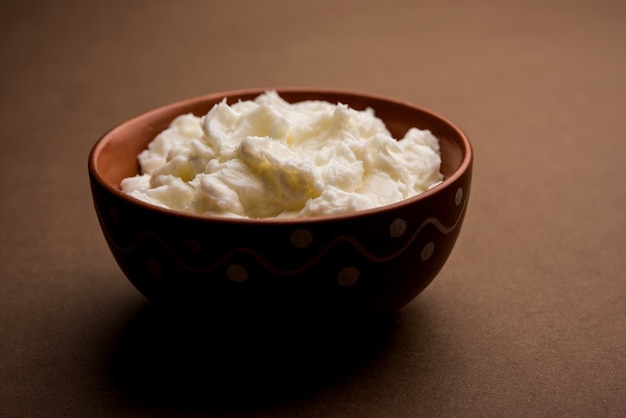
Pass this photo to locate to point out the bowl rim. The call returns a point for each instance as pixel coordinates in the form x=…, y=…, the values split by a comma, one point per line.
x=96, y=149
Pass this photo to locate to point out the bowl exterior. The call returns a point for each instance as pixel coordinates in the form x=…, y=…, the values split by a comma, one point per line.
x=370, y=262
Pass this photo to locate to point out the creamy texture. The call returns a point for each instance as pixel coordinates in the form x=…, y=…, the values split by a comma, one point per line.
x=269, y=158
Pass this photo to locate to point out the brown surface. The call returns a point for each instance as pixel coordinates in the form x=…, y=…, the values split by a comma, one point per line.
x=528, y=317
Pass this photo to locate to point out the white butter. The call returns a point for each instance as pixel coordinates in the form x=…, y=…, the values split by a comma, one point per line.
x=269, y=158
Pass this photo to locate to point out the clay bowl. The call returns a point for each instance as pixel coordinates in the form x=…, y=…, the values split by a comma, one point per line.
x=368, y=262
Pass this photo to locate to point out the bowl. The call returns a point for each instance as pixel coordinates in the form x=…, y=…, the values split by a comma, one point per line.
x=370, y=262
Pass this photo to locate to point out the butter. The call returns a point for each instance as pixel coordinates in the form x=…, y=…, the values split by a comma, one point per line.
x=268, y=158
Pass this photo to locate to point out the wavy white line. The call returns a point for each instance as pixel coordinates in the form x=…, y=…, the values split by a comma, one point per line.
x=259, y=259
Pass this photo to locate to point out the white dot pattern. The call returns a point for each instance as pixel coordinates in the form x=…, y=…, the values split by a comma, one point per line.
x=458, y=198
x=428, y=251
x=301, y=238
x=348, y=276
x=397, y=228
x=237, y=273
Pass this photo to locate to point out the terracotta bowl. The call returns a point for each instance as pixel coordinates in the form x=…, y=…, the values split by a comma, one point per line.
x=368, y=262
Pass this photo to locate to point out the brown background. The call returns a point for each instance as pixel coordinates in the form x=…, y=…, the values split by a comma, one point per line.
x=528, y=318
